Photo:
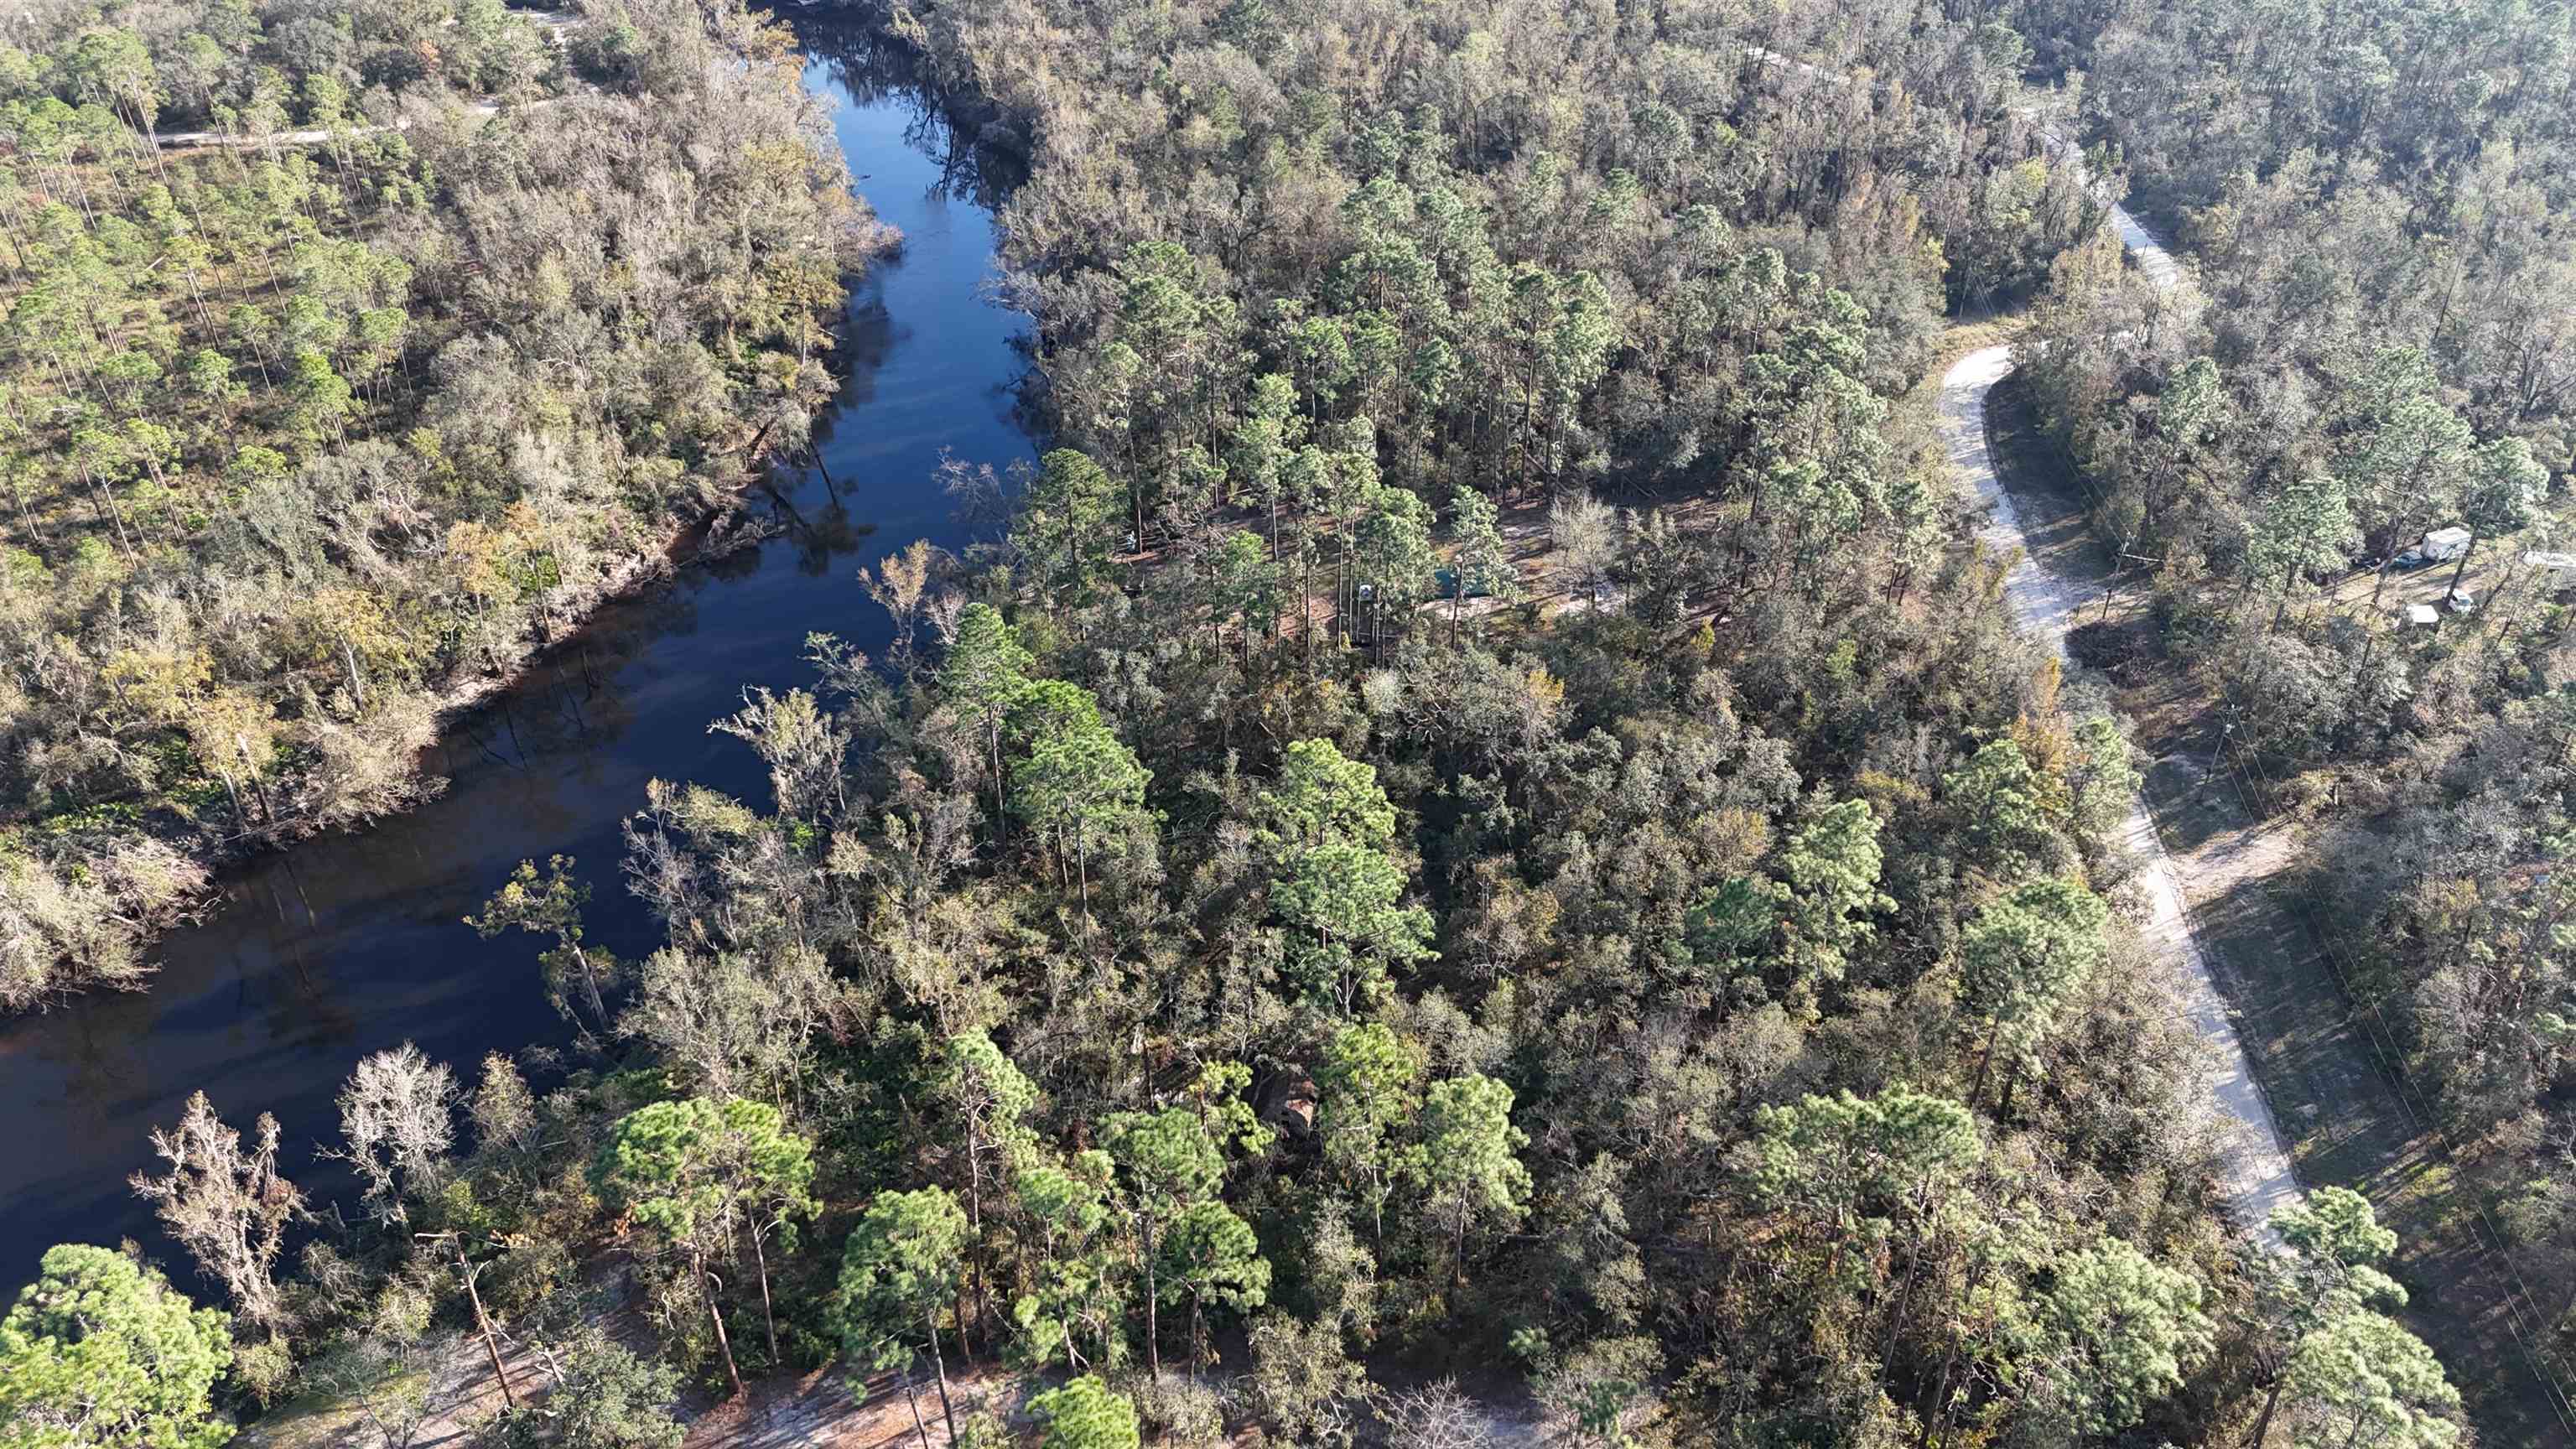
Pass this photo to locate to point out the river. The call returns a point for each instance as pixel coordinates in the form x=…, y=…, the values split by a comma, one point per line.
x=350, y=944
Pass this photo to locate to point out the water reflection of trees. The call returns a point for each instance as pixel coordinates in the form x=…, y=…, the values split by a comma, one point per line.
x=568, y=699
x=354, y=941
x=873, y=73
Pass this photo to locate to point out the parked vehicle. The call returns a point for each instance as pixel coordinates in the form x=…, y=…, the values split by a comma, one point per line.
x=2442, y=545
x=1446, y=583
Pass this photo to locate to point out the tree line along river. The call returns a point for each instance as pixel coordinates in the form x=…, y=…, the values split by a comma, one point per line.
x=351, y=944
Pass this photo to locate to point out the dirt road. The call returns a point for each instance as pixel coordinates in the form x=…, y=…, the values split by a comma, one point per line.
x=2258, y=1178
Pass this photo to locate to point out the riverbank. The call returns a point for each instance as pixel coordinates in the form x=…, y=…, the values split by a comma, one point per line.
x=726, y=528
x=422, y=445
x=306, y=958
x=1640, y=745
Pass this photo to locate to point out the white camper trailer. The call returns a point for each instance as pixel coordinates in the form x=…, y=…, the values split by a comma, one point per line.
x=2557, y=570
x=2440, y=546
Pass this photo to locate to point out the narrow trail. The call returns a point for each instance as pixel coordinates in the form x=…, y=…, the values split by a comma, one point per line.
x=2258, y=1178
x=225, y=140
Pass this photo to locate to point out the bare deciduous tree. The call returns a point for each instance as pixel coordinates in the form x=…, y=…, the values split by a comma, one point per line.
x=737, y=1024
x=397, y=1117
x=1585, y=531
x=227, y=1206
x=902, y=585
x=799, y=742
x=1437, y=1416
x=503, y=1109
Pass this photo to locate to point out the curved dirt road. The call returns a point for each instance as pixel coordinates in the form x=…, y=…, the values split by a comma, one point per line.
x=2258, y=1177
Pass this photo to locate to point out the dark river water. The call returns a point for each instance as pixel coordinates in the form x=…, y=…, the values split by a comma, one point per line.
x=352, y=944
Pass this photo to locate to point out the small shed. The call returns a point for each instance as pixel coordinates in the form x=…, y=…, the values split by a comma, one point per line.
x=2422, y=616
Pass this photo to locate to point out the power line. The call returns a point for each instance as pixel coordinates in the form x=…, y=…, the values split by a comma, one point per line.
x=2523, y=1315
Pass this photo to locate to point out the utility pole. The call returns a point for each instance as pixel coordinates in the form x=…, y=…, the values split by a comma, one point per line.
x=2111, y=585
x=467, y=1270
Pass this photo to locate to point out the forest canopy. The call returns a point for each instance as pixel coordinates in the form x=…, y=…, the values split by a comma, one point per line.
x=1479, y=809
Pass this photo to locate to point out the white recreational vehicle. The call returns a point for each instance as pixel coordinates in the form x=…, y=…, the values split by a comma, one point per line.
x=2440, y=546
x=2558, y=570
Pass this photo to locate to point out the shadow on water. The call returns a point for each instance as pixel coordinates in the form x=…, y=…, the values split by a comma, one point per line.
x=350, y=944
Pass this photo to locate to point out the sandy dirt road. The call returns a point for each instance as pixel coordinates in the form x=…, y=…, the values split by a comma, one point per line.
x=2259, y=1178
